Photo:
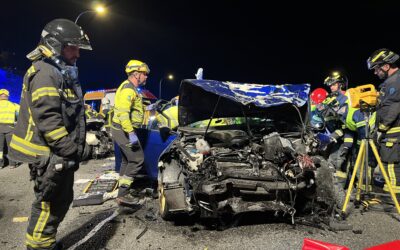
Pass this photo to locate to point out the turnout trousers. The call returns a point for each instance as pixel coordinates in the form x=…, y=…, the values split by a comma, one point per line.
x=6, y=132
x=132, y=156
x=48, y=210
x=390, y=155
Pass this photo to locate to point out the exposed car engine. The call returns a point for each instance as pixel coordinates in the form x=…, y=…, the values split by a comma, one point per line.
x=227, y=171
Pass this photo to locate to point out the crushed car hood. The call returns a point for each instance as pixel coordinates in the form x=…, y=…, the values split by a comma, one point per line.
x=198, y=99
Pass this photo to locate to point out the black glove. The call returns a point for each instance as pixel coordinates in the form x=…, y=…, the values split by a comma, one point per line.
x=344, y=152
x=48, y=183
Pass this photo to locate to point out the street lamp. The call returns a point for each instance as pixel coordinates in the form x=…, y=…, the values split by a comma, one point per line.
x=169, y=77
x=99, y=9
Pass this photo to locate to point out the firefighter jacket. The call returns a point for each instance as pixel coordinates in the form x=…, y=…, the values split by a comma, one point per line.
x=353, y=121
x=8, y=115
x=51, y=118
x=128, y=108
x=388, y=108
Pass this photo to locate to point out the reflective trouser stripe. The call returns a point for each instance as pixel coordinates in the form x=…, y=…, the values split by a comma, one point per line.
x=1, y=155
x=341, y=174
x=56, y=134
x=44, y=242
x=27, y=147
x=348, y=140
x=393, y=130
x=41, y=222
x=392, y=177
x=338, y=132
x=125, y=181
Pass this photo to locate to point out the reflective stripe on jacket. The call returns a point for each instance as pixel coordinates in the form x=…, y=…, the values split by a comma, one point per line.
x=128, y=108
x=51, y=117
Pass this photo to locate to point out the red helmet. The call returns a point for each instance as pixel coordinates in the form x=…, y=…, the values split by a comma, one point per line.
x=318, y=95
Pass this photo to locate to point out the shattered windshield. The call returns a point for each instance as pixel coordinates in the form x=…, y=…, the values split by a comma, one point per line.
x=256, y=124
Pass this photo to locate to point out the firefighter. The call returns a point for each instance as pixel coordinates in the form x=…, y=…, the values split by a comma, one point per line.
x=128, y=116
x=336, y=82
x=353, y=127
x=383, y=63
x=8, y=117
x=50, y=132
x=341, y=135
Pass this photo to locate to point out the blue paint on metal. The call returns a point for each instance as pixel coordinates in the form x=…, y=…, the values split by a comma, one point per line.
x=153, y=146
x=258, y=94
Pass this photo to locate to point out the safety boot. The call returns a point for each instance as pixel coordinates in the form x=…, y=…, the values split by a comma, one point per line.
x=125, y=198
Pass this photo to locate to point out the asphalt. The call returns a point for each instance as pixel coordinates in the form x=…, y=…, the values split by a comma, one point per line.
x=144, y=229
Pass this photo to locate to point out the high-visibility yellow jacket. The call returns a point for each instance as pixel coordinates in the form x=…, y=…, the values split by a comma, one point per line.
x=172, y=114
x=128, y=108
x=8, y=112
x=51, y=118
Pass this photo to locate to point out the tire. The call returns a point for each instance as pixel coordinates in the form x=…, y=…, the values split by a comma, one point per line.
x=163, y=205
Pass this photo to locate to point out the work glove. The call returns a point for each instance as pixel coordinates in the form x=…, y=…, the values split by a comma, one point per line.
x=133, y=139
x=48, y=183
x=344, y=152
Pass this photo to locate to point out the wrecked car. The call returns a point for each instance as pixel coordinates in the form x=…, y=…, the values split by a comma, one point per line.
x=254, y=158
x=98, y=140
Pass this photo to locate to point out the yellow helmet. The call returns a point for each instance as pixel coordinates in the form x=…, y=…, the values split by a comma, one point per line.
x=4, y=92
x=136, y=65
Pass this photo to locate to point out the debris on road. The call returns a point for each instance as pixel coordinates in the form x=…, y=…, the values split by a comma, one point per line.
x=20, y=219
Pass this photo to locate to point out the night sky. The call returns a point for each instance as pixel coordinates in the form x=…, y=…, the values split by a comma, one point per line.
x=232, y=40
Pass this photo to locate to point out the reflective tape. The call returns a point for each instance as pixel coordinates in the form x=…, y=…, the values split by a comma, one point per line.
x=45, y=91
x=56, y=134
x=27, y=147
x=41, y=222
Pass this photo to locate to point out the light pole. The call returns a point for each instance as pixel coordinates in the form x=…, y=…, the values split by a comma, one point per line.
x=170, y=77
x=99, y=9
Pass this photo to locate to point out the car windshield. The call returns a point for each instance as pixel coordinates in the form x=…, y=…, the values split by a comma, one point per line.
x=256, y=124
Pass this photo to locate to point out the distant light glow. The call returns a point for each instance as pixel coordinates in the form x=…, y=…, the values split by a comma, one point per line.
x=100, y=9
x=170, y=77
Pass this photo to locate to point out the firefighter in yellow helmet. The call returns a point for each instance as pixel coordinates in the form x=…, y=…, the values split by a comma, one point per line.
x=8, y=117
x=128, y=116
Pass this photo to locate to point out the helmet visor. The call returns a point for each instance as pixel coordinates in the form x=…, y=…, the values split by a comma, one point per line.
x=82, y=42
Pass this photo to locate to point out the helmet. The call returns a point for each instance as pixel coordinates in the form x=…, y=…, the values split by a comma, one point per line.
x=136, y=65
x=381, y=56
x=4, y=92
x=318, y=95
x=336, y=77
x=63, y=32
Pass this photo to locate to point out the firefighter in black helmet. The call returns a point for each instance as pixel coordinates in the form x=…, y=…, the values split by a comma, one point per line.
x=50, y=132
x=383, y=63
x=336, y=82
